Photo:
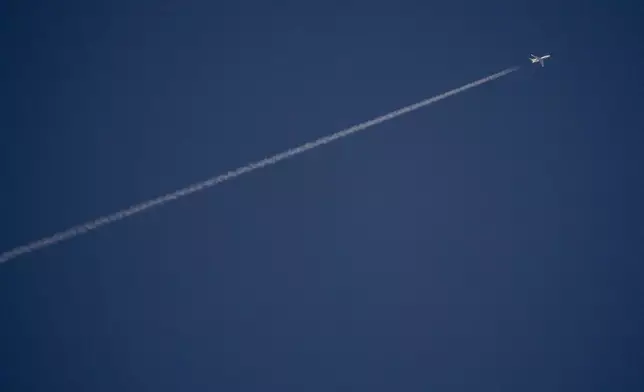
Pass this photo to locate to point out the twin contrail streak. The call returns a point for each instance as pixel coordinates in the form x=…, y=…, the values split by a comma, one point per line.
x=135, y=209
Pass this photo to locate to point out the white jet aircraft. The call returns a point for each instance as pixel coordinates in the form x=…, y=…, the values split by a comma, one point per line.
x=537, y=59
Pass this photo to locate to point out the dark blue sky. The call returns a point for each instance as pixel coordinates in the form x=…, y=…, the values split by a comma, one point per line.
x=491, y=242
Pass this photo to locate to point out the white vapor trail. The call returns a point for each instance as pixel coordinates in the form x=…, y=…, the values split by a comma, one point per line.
x=135, y=209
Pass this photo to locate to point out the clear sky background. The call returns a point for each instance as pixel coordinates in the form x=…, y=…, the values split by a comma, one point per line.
x=493, y=241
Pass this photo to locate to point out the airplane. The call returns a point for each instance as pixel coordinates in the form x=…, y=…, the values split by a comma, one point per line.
x=537, y=59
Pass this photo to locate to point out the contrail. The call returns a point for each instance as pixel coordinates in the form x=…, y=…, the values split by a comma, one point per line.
x=135, y=209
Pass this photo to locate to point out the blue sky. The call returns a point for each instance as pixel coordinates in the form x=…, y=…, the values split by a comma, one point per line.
x=490, y=242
